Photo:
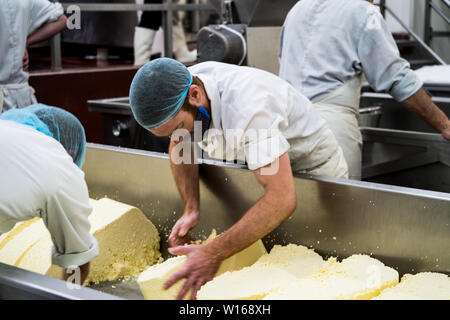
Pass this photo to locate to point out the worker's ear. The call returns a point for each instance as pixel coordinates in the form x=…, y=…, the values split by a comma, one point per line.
x=195, y=95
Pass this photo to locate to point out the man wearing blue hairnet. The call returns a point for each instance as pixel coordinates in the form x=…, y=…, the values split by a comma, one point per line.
x=245, y=115
x=42, y=150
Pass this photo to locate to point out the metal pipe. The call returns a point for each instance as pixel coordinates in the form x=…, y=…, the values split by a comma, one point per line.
x=439, y=12
x=137, y=7
x=55, y=52
x=436, y=57
x=167, y=23
x=427, y=24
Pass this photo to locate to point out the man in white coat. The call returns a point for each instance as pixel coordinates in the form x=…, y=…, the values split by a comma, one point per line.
x=325, y=48
x=245, y=114
x=23, y=23
x=42, y=151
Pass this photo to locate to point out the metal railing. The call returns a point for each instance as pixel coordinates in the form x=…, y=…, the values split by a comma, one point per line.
x=429, y=33
x=167, y=8
x=421, y=42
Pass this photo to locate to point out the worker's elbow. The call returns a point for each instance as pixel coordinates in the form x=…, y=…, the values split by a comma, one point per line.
x=62, y=22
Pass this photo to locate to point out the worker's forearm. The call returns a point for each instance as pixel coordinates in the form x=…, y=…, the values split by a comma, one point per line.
x=47, y=31
x=263, y=217
x=421, y=104
x=186, y=179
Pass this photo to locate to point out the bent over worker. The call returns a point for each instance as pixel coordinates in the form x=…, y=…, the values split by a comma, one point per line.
x=23, y=23
x=42, y=152
x=246, y=114
x=325, y=48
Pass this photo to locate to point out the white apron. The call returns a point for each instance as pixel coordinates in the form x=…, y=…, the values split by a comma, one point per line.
x=324, y=157
x=16, y=96
x=341, y=111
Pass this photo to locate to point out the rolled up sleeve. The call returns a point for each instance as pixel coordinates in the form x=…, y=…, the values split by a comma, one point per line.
x=66, y=218
x=385, y=70
x=42, y=12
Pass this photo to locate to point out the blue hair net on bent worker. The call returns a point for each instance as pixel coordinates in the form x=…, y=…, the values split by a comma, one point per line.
x=158, y=91
x=56, y=123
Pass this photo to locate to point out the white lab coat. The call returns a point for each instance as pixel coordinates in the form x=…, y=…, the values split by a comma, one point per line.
x=243, y=99
x=18, y=19
x=39, y=179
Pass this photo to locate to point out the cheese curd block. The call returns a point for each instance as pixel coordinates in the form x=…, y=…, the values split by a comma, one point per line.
x=358, y=277
x=128, y=242
x=282, y=266
x=16, y=242
x=151, y=280
x=297, y=260
x=38, y=259
x=421, y=286
x=250, y=283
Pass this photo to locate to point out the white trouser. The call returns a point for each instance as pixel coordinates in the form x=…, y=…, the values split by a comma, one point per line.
x=16, y=96
x=341, y=111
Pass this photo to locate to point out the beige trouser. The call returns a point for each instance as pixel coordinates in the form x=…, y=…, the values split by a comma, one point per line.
x=325, y=158
x=16, y=96
x=341, y=111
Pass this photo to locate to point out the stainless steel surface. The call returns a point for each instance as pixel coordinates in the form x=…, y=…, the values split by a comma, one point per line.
x=408, y=150
x=370, y=116
x=405, y=228
x=263, y=44
x=395, y=116
x=21, y=284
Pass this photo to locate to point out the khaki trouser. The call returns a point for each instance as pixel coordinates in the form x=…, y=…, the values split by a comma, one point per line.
x=341, y=111
x=325, y=146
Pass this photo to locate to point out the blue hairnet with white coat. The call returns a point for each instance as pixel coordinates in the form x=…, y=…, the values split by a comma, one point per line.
x=56, y=123
x=158, y=91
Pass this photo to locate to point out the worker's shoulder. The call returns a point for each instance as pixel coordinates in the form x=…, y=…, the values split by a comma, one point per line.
x=362, y=9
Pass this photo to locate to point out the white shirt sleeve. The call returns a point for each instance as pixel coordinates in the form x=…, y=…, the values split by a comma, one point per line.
x=42, y=12
x=66, y=217
x=262, y=119
x=385, y=70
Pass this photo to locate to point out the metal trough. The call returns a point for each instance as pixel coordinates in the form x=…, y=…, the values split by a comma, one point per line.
x=405, y=228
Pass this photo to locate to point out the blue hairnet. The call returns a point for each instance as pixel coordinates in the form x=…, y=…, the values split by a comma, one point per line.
x=56, y=123
x=158, y=91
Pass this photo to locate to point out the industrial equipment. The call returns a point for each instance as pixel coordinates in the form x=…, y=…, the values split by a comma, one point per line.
x=249, y=34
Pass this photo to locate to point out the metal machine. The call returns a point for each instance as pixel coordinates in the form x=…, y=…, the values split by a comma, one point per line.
x=407, y=229
x=249, y=34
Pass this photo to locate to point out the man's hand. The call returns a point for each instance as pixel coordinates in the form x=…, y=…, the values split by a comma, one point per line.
x=201, y=266
x=421, y=104
x=25, y=60
x=446, y=132
x=179, y=234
